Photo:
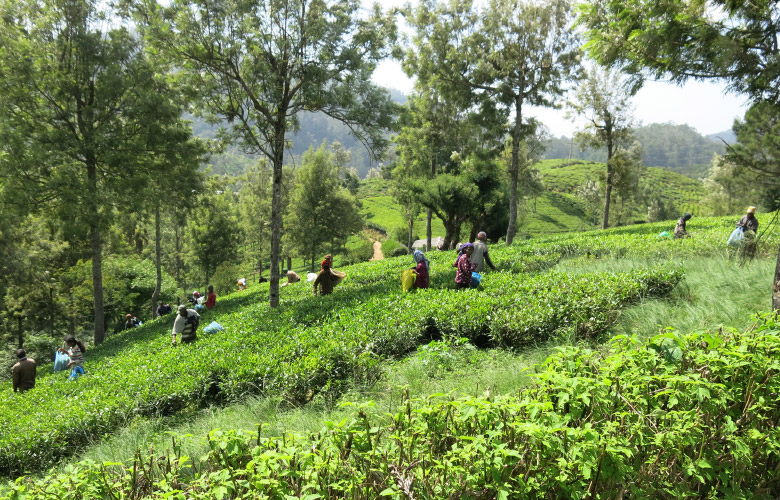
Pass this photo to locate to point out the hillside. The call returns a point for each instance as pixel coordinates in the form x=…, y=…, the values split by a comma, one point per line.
x=677, y=192
x=315, y=345
x=559, y=209
x=677, y=148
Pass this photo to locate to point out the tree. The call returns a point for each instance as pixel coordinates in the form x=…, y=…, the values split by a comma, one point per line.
x=681, y=39
x=214, y=232
x=323, y=213
x=517, y=53
x=86, y=111
x=603, y=102
x=757, y=150
x=258, y=64
x=422, y=147
x=446, y=160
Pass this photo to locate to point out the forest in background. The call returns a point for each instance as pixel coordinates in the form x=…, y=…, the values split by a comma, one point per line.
x=110, y=210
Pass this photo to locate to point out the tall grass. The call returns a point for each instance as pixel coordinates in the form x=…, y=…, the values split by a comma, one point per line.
x=717, y=292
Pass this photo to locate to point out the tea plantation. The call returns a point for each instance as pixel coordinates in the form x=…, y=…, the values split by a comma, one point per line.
x=681, y=415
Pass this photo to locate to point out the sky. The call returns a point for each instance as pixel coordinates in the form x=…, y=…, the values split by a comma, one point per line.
x=703, y=105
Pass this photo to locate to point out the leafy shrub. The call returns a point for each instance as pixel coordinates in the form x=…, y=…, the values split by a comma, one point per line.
x=391, y=248
x=681, y=416
x=128, y=284
x=225, y=278
x=360, y=249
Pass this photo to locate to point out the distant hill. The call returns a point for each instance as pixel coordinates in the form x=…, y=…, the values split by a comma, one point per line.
x=677, y=148
x=727, y=135
x=315, y=128
x=676, y=192
x=558, y=209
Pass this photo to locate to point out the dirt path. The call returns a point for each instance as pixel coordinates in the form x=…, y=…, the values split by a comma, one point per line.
x=378, y=255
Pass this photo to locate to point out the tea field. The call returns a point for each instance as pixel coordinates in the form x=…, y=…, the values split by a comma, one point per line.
x=593, y=417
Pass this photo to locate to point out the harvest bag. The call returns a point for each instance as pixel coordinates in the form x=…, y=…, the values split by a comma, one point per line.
x=476, y=279
x=214, y=327
x=407, y=279
x=737, y=238
x=61, y=361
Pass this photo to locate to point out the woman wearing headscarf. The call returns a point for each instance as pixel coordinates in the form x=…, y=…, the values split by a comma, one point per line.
x=422, y=270
x=327, y=278
x=465, y=266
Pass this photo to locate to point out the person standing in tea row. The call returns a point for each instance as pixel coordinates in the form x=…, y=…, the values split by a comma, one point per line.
x=23, y=372
x=480, y=255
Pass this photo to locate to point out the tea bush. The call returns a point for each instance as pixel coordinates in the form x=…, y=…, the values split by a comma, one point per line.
x=306, y=346
x=680, y=416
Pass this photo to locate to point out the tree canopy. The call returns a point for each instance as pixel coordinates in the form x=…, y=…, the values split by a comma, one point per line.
x=259, y=64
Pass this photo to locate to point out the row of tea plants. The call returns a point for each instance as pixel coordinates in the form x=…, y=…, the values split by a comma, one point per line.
x=679, y=416
x=307, y=346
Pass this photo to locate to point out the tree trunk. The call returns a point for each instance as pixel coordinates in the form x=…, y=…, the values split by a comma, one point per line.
x=96, y=245
x=449, y=235
x=514, y=169
x=428, y=230
x=157, y=259
x=607, y=195
x=411, y=234
x=429, y=214
x=776, y=285
x=20, y=332
x=610, y=178
x=276, y=204
x=289, y=263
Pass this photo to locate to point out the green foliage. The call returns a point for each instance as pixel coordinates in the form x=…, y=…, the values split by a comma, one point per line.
x=756, y=151
x=359, y=249
x=681, y=416
x=128, y=283
x=322, y=213
x=214, y=233
x=90, y=122
x=313, y=344
x=682, y=40
x=391, y=248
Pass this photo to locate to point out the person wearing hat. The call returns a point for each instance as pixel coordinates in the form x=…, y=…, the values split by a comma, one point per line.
x=23, y=372
x=749, y=225
x=480, y=256
x=464, y=266
x=679, y=229
x=327, y=278
x=194, y=298
x=186, y=324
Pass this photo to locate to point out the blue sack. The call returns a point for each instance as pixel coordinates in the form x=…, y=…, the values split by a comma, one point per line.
x=476, y=279
x=77, y=370
x=214, y=327
x=737, y=238
x=199, y=308
x=61, y=361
